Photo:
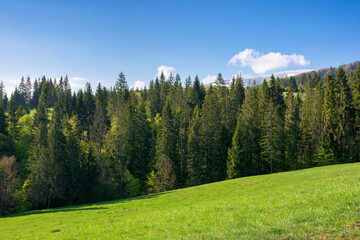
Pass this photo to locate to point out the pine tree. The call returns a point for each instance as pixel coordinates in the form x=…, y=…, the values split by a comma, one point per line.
x=195, y=160
x=12, y=116
x=330, y=116
x=245, y=142
x=28, y=86
x=356, y=104
x=6, y=142
x=263, y=104
x=139, y=137
x=154, y=97
x=121, y=87
x=235, y=166
x=77, y=184
x=292, y=84
x=167, y=154
x=41, y=177
x=214, y=138
x=56, y=158
x=345, y=111
x=272, y=145
x=99, y=129
x=3, y=123
x=89, y=104
x=292, y=131
x=197, y=96
x=237, y=96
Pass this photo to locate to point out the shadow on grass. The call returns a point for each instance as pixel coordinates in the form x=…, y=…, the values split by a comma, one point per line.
x=85, y=207
x=132, y=199
x=53, y=210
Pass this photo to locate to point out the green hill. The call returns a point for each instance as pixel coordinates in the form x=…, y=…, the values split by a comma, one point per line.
x=318, y=203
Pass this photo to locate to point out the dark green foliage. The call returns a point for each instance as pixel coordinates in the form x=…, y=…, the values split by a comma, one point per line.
x=7, y=184
x=167, y=155
x=214, y=138
x=356, y=104
x=243, y=155
x=195, y=160
x=84, y=147
x=89, y=107
x=292, y=131
x=272, y=142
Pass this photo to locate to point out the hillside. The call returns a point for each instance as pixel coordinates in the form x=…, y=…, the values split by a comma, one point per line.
x=297, y=74
x=317, y=203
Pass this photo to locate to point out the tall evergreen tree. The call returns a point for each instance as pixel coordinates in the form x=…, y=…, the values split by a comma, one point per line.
x=272, y=144
x=167, y=154
x=89, y=105
x=292, y=131
x=330, y=116
x=356, y=104
x=345, y=111
x=195, y=160
x=214, y=135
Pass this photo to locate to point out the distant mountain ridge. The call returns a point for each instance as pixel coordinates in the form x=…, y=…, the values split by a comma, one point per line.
x=297, y=74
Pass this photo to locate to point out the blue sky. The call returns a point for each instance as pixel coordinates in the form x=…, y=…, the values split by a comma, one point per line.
x=95, y=40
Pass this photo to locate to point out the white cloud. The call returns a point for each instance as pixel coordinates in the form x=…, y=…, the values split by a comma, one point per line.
x=9, y=90
x=10, y=82
x=166, y=70
x=261, y=63
x=77, y=82
x=77, y=79
x=209, y=79
x=139, y=85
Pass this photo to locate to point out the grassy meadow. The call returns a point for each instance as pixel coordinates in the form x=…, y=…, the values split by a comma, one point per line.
x=317, y=203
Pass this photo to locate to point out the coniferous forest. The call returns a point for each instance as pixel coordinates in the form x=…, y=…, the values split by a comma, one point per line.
x=60, y=147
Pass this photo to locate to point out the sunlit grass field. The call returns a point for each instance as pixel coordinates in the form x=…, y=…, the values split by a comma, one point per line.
x=317, y=203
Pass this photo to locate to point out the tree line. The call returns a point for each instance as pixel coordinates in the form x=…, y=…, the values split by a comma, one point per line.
x=59, y=147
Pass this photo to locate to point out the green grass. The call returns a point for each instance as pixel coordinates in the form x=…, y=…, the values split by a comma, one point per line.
x=318, y=203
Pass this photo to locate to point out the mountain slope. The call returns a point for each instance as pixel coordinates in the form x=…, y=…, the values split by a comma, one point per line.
x=307, y=204
x=297, y=74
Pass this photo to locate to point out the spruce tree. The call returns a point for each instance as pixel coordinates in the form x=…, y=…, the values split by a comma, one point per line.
x=345, y=111
x=41, y=180
x=272, y=143
x=167, y=154
x=356, y=104
x=235, y=166
x=89, y=105
x=214, y=138
x=292, y=131
x=11, y=109
x=330, y=116
x=237, y=96
x=195, y=159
